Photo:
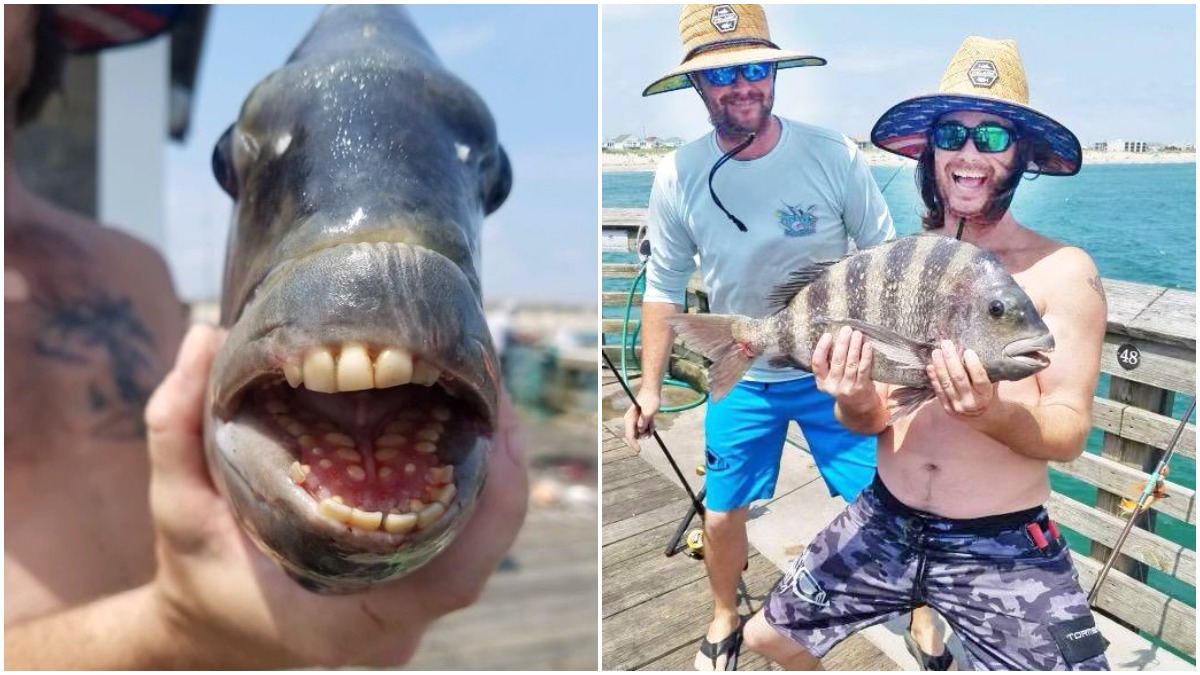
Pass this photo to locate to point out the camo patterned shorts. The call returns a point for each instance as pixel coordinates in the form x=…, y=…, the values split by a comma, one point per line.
x=1013, y=605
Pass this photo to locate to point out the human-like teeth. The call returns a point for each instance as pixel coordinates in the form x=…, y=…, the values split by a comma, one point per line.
x=399, y=522
x=446, y=494
x=384, y=454
x=354, y=368
x=438, y=475
x=276, y=407
x=348, y=455
x=299, y=472
x=429, y=514
x=367, y=520
x=339, y=439
x=294, y=373
x=356, y=472
x=319, y=371
x=425, y=447
x=389, y=441
x=425, y=373
x=335, y=510
x=393, y=367
x=386, y=471
x=428, y=435
x=441, y=413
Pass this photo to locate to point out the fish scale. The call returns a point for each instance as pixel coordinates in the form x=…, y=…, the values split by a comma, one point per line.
x=905, y=296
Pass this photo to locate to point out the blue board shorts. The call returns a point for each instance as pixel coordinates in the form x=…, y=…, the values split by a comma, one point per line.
x=1005, y=583
x=744, y=435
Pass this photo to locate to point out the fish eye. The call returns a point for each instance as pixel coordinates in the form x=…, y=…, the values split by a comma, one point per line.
x=996, y=308
x=222, y=166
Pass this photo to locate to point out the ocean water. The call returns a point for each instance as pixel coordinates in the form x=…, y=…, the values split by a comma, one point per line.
x=1137, y=221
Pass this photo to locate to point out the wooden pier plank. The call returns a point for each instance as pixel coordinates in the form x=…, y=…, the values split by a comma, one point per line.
x=656, y=608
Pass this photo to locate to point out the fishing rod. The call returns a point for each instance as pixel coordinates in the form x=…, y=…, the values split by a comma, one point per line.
x=1152, y=484
x=629, y=392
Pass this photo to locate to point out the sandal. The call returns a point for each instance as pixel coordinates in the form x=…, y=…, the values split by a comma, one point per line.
x=942, y=661
x=729, y=647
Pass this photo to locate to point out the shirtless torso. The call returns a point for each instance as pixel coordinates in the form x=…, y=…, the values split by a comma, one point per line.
x=936, y=463
x=91, y=326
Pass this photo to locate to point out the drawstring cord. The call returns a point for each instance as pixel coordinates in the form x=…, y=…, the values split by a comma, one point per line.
x=725, y=158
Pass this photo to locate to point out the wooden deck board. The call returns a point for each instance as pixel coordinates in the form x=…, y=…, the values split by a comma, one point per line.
x=655, y=608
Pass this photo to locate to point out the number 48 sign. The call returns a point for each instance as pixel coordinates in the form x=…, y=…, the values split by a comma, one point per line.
x=1128, y=356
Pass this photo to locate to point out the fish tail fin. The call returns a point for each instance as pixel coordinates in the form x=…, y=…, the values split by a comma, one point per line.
x=713, y=335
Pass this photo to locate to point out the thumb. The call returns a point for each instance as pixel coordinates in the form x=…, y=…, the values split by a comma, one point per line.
x=175, y=412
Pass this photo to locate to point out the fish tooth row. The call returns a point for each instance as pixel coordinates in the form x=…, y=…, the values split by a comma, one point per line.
x=354, y=370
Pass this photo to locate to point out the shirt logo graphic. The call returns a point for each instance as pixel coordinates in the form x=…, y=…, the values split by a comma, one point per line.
x=797, y=222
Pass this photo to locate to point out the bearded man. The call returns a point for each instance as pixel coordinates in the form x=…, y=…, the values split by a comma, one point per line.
x=801, y=193
x=955, y=518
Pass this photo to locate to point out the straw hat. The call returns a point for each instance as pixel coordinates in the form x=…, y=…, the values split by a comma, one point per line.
x=986, y=76
x=715, y=36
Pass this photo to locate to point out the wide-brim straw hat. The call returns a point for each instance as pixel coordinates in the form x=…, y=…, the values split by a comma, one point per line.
x=716, y=36
x=985, y=75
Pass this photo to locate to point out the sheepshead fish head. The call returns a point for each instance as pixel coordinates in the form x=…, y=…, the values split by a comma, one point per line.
x=354, y=399
x=991, y=314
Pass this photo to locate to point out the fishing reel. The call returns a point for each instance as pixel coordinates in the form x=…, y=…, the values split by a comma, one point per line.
x=694, y=544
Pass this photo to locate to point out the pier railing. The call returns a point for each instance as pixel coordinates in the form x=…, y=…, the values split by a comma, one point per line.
x=1149, y=356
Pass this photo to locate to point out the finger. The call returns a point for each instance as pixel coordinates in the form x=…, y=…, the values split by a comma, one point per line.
x=959, y=380
x=866, y=364
x=820, y=356
x=935, y=383
x=837, y=361
x=978, y=374
x=854, y=355
x=632, y=419
x=175, y=412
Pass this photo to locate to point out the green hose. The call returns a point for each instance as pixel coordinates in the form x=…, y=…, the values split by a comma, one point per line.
x=628, y=345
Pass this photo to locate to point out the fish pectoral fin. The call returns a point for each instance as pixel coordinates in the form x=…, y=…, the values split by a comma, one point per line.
x=906, y=400
x=901, y=351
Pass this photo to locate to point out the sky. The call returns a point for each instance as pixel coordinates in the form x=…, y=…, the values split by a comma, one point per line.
x=540, y=84
x=1105, y=71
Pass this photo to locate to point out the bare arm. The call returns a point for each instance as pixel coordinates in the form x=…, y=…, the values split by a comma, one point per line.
x=1056, y=427
x=657, y=337
x=120, y=632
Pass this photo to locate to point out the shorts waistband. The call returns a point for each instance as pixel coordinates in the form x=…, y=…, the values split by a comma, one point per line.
x=987, y=524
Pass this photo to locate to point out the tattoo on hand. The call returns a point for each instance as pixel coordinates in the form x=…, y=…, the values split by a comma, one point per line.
x=1098, y=286
x=78, y=331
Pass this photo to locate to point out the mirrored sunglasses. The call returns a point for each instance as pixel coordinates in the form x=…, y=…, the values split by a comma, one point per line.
x=723, y=77
x=988, y=137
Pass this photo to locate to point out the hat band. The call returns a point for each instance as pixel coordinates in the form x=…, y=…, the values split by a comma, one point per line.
x=728, y=43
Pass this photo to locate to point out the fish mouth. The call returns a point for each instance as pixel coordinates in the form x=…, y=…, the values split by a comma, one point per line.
x=1028, y=352
x=351, y=434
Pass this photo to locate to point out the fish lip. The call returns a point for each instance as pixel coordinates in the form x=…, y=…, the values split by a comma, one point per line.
x=284, y=319
x=331, y=556
x=1028, y=351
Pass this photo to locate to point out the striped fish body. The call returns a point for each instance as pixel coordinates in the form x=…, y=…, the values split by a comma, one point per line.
x=905, y=296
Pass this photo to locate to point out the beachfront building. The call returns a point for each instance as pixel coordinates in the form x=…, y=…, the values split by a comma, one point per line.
x=1123, y=146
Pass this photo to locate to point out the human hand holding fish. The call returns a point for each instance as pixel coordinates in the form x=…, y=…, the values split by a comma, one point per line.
x=219, y=602
x=960, y=381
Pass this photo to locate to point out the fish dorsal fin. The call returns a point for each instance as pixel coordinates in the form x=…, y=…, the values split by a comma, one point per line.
x=782, y=294
x=902, y=351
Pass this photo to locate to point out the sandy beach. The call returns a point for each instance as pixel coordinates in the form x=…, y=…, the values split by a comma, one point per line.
x=628, y=161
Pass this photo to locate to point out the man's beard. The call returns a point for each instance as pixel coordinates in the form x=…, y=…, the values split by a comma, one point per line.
x=990, y=212
x=728, y=127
